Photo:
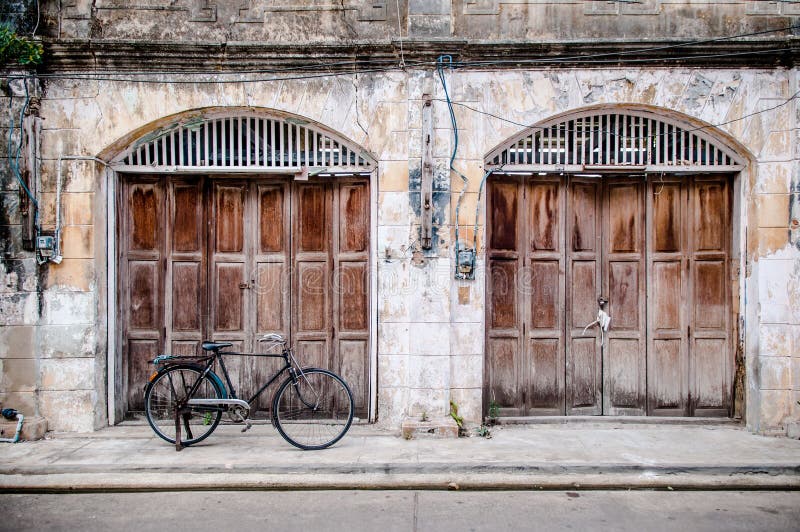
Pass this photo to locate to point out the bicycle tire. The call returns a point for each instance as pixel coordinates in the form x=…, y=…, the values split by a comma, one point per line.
x=314, y=411
x=161, y=397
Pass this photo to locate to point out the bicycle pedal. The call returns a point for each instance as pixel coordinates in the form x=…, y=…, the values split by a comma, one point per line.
x=247, y=425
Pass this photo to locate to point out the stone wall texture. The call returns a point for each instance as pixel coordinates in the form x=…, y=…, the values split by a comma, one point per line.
x=54, y=318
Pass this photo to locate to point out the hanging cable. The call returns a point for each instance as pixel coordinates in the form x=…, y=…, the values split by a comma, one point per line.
x=400, y=36
x=613, y=133
x=454, y=124
x=14, y=153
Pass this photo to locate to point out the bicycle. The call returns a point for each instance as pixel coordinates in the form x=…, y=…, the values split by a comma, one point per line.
x=312, y=409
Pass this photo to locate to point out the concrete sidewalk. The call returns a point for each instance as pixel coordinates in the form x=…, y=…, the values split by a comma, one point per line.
x=548, y=456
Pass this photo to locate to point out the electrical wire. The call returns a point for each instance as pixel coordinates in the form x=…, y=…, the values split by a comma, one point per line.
x=310, y=66
x=640, y=50
x=580, y=61
x=157, y=78
x=454, y=124
x=124, y=79
x=15, y=153
x=38, y=15
x=794, y=96
x=400, y=35
x=382, y=65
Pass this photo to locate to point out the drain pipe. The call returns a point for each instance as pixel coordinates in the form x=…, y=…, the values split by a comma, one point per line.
x=57, y=252
x=10, y=414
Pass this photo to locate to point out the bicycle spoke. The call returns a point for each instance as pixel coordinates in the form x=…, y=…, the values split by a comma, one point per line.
x=313, y=424
x=162, y=397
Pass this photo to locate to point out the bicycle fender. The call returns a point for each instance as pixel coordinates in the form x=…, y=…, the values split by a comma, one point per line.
x=214, y=377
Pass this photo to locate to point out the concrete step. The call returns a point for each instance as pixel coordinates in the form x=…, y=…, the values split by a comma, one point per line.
x=437, y=427
x=33, y=428
x=617, y=420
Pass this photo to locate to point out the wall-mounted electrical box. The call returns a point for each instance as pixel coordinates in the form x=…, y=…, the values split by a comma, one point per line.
x=45, y=245
x=465, y=264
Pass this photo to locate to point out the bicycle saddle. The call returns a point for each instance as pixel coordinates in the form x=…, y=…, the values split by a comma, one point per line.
x=213, y=346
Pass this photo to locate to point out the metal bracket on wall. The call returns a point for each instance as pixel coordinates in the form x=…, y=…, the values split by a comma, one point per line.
x=426, y=191
x=794, y=213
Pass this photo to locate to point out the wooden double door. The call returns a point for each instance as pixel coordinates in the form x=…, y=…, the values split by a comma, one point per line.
x=657, y=249
x=230, y=259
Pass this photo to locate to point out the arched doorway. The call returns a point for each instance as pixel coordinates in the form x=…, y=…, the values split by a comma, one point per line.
x=624, y=211
x=234, y=224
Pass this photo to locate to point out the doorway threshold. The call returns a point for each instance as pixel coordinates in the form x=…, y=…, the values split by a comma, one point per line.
x=618, y=420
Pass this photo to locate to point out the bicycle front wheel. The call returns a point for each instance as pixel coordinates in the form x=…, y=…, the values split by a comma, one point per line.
x=314, y=410
x=167, y=390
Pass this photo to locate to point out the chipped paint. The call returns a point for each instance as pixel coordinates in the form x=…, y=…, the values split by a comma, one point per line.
x=422, y=313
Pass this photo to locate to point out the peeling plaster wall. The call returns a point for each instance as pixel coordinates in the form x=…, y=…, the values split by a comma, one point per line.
x=376, y=20
x=430, y=328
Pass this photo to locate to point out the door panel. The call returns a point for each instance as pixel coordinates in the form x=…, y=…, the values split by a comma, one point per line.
x=351, y=286
x=272, y=274
x=186, y=265
x=583, y=364
x=228, y=223
x=504, y=386
x=141, y=310
x=186, y=281
x=231, y=260
x=624, y=356
x=143, y=294
x=228, y=298
x=544, y=284
x=668, y=292
x=229, y=255
x=658, y=249
x=503, y=376
x=709, y=356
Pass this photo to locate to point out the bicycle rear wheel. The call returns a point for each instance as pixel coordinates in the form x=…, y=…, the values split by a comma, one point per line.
x=314, y=411
x=168, y=389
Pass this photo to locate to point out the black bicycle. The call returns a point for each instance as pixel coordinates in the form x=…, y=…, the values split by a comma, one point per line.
x=185, y=399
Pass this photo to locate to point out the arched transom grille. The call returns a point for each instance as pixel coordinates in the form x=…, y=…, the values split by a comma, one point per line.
x=613, y=139
x=243, y=143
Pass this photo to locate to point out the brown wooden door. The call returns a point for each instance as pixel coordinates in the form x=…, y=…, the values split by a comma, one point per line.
x=689, y=311
x=624, y=286
x=233, y=259
x=584, y=278
x=141, y=261
x=656, y=251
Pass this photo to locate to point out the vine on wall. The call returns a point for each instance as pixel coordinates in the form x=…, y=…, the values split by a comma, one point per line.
x=18, y=50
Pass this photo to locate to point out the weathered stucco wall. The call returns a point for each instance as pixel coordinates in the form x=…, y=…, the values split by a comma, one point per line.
x=430, y=327
x=305, y=21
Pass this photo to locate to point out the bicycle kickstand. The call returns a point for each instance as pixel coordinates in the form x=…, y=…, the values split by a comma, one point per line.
x=178, y=415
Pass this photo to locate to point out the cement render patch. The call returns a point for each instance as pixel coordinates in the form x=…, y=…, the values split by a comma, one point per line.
x=546, y=457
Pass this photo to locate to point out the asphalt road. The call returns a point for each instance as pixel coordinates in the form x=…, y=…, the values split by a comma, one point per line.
x=387, y=511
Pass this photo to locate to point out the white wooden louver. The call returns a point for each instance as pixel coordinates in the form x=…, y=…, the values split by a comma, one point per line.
x=613, y=139
x=241, y=143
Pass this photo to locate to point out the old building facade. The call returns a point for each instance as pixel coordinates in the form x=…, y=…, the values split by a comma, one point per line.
x=432, y=198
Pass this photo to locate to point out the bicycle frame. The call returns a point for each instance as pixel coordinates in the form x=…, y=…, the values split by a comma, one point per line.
x=218, y=355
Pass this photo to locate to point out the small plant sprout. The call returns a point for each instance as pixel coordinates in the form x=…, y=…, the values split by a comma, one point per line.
x=484, y=432
x=454, y=414
x=494, y=411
